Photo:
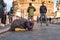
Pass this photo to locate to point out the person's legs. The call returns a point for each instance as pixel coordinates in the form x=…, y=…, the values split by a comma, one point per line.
x=4, y=19
x=10, y=20
x=46, y=19
x=41, y=19
x=32, y=20
x=29, y=17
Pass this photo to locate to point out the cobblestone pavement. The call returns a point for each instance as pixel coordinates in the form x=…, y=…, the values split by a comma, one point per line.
x=4, y=28
x=51, y=32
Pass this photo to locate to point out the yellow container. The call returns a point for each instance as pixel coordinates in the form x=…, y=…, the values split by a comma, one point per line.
x=19, y=29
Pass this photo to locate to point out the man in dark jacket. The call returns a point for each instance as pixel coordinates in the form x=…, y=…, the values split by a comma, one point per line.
x=10, y=15
x=43, y=11
x=2, y=5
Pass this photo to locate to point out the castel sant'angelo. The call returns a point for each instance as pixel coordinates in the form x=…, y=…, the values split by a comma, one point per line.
x=22, y=5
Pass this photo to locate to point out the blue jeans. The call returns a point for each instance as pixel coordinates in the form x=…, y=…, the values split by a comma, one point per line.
x=43, y=18
x=3, y=19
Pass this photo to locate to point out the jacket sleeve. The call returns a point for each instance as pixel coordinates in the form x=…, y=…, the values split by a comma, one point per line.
x=45, y=9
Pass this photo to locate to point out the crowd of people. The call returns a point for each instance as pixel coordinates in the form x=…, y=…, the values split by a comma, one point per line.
x=43, y=10
x=4, y=13
x=31, y=9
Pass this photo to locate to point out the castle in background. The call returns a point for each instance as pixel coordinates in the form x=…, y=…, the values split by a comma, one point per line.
x=22, y=5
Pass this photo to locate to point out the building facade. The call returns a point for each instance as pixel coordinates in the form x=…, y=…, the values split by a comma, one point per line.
x=58, y=9
x=22, y=5
x=58, y=5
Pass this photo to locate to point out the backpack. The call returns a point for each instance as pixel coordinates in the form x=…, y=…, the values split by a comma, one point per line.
x=1, y=6
x=31, y=10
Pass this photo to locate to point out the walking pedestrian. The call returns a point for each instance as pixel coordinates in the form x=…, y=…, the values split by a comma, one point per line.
x=10, y=15
x=5, y=13
x=31, y=9
x=43, y=10
x=2, y=5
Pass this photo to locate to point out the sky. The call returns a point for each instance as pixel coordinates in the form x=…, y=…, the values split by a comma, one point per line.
x=55, y=5
x=9, y=4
